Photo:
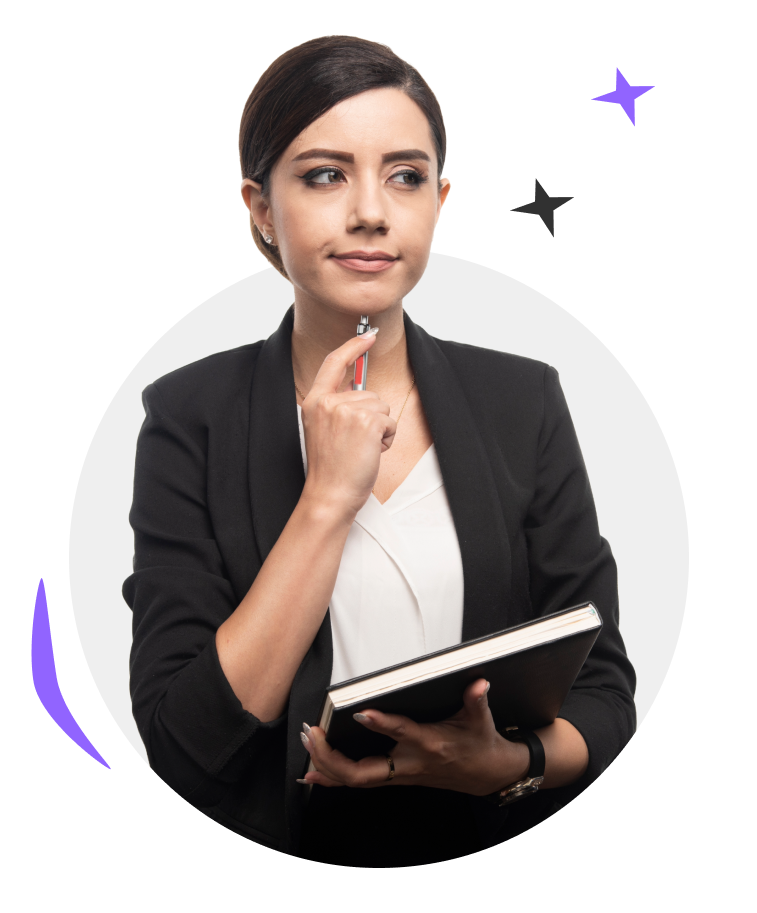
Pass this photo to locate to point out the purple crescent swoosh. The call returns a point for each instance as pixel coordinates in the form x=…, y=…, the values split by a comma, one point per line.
x=46, y=680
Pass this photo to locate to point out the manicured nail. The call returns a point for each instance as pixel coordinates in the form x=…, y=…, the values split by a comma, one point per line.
x=361, y=717
x=308, y=731
x=304, y=782
x=486, y=691
x=371, y=332
x=305, y=741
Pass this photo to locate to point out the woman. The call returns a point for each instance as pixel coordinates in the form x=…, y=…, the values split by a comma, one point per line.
x=291, y=532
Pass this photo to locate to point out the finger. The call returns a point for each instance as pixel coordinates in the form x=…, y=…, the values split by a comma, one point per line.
x=327, y=760
x=388, y=439
x=331, y=373
x=382, y=422
x=475, y=702
x=316, y=778
x=399, y=728
x=476, y=696
x=364, y=400
x=338, y=767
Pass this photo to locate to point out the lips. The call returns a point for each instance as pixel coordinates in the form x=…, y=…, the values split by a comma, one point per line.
x=366, y=261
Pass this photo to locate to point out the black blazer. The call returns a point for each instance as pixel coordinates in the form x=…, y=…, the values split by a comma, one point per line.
x=218, y=473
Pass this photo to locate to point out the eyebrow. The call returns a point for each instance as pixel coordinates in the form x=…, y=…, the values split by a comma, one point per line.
x=405, y=154
x=349, y=158
x=325, y=154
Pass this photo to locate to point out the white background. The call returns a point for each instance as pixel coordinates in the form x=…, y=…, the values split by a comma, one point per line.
x=122, y=212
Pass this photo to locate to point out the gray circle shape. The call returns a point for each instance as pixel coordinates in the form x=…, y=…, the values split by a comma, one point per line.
x=635, y=484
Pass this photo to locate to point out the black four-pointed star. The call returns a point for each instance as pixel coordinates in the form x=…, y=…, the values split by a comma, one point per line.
x=544, y=206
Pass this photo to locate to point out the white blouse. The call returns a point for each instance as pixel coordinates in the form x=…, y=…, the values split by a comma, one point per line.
x=399, y=589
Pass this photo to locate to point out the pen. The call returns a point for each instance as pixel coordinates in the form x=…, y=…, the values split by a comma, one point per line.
x=361, y=363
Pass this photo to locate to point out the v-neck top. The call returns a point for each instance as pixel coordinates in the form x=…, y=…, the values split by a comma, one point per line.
x=399, y=588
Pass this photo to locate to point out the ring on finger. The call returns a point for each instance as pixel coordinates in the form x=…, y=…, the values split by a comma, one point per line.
x=390, y=759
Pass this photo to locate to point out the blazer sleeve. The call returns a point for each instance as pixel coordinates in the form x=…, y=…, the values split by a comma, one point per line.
x=571, y=563
x=198, y=736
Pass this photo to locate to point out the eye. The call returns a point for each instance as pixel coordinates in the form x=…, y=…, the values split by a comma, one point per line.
x=324, y=176
x=408, y=178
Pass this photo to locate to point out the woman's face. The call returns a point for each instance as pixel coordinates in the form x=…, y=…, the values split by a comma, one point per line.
x=353, y=203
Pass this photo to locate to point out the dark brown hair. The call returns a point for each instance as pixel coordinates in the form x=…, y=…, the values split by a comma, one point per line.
x=305, y=83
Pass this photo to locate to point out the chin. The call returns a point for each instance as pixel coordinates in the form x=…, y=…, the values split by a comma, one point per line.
x=358, y=302
x=356, y=298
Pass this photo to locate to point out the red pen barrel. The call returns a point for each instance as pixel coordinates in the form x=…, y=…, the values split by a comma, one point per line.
x=359, y=372
x=361, y=363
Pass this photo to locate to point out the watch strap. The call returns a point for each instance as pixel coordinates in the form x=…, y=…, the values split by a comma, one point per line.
x=535, y=750
x=535, y=776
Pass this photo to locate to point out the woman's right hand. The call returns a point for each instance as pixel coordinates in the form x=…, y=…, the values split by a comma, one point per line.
x=262, y=643
x=345, y=433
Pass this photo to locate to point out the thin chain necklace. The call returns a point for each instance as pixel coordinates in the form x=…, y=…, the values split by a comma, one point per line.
x=373, y=490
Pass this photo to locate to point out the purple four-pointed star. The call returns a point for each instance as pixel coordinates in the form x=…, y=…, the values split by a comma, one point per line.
x=624, y=95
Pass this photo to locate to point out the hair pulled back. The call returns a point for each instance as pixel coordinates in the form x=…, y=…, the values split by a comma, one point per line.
x=307, y=81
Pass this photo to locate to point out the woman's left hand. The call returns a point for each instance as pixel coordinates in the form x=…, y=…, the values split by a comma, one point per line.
x=464, y=753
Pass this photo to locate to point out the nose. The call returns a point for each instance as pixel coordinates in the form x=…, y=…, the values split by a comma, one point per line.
x=367, y=204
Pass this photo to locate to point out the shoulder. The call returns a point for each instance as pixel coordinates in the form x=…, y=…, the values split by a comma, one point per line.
x=203, y=388
x=484, y=369
x=510, y=395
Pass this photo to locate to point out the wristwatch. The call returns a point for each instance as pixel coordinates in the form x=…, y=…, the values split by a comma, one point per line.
x=535, y=776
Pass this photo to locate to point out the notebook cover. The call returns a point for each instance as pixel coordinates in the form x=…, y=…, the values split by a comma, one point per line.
x=528, y=688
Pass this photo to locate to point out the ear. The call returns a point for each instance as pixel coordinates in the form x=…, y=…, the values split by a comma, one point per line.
x=259, y=208
x=442, y=196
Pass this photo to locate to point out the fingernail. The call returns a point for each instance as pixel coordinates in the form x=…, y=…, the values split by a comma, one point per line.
x=304, y=782
x=305, y=741
x=486, y=691
x=371, y=332
x=361, y=717
x=306, y=729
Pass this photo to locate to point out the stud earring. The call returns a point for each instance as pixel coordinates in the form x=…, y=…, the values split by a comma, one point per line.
x=268, y=238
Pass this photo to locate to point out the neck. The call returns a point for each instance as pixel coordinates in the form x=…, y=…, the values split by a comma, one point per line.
x=319, y=330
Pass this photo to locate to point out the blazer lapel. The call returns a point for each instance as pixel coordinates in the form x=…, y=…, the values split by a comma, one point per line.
x=469, y=483
x=276, y=482
x=275, y=463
